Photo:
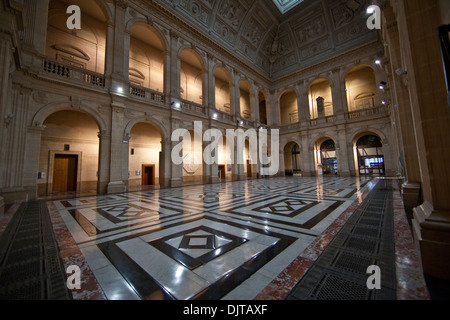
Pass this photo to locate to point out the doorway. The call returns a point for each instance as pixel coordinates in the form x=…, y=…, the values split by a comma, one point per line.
x=222, y=172
x=148, y=174
x=329, y=159
x=370, y=156
x=249, y=169
x=65, y=172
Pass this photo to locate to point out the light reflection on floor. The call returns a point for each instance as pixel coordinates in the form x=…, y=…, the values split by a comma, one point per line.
x=223, y=241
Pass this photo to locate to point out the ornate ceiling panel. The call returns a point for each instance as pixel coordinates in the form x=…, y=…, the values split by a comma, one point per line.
x=275, y=43
x=286, y=5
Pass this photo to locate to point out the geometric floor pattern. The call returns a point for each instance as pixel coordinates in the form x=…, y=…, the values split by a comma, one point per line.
x=366, y=239
x=222, y=241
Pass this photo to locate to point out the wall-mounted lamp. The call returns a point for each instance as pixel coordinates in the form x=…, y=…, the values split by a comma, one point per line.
x=176, y=104
x=400, y=72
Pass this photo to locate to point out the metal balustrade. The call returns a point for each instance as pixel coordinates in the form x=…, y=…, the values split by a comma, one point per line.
x=63, y=70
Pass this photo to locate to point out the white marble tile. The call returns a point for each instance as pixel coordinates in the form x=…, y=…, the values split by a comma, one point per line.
x=176, y=279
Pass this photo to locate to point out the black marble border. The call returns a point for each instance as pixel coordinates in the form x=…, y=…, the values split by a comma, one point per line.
x=190, y=262
x=306, y=225
x=148, y=288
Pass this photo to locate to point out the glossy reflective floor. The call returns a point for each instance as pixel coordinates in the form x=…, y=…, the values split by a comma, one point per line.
x=225, y=241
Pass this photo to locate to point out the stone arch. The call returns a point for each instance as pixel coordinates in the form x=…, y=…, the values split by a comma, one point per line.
x=325, y=107
x=292, y=164
x=44, y=112
x=361, y=87
x=369, y=159
x=320, y=166
x=349, y=68
x=153, y=121
x=288, y=109
x=194, y=51
x=69, y=151
x=153, y=28
x=145, y=153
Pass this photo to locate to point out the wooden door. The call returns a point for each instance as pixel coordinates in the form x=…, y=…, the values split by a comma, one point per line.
x=65, y=173
x=148, y=175
x=249, y=169
x=222, y=174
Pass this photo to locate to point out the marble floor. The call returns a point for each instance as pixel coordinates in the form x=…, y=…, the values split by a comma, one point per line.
x=240, y=240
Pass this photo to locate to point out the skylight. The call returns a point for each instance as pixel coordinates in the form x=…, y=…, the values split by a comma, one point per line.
x=286, y=5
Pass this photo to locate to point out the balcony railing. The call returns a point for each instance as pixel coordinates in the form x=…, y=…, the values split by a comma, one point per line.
x=223, y=116
x=192, y=107
x=68, y=71
x=366, y=112
x=57, y=69
x=146, y=93
x=331, y=119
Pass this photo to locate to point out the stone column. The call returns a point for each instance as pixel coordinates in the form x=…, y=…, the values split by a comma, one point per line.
x=18, y=181
x=5, y=63
x=211, y=95
x=307, y=156
x=104, y=162
x=34, y=32
x=254, y=102
x=431, y=118
x=31, y=158
x=109, y=55
x=238, y=166
x=118, y=174
x=120, y=48
x=174, y=68
x=176, y=170
x=5, y=88
x=210, y=171
x=273, y=108
x=235, y=105
x=338, y=94
x=165, y=163
x=342, y=152
x=303, y=103
x=403, y=118
x=36, y=21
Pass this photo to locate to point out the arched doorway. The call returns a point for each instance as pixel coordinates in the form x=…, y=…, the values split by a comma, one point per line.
x=191, y=76
x=328, y=158
x=320, y=99
x=69, y=155
x=147, y=58
x=370, y=156
x=288, y=107
x=292, y=162
x=144, y=156
x=222, y=80
x=361, y=88
x=84, y=49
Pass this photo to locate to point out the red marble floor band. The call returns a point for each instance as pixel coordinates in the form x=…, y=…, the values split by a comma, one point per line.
x=71, y=255
x=411, y=283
